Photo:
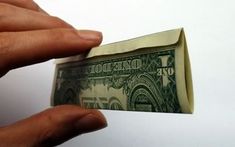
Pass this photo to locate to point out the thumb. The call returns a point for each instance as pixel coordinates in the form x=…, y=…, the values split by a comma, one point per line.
x=52, y=127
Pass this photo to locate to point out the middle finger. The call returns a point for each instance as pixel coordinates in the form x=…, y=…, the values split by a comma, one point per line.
x=27, y=4
x=14, y=18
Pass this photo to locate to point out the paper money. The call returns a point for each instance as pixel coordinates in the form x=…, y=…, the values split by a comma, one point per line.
x=150, y=73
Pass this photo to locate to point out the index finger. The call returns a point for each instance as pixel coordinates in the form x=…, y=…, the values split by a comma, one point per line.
x=25, y=48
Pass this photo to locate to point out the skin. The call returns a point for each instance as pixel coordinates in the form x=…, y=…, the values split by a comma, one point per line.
x=29, y=35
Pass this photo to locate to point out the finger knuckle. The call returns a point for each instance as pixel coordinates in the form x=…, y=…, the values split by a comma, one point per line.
x=50, y=117
x=59, y=22
x=55, y=34
x=5, y=49
x=30, y=4
x=5, y=42
x=25, y=1
x=50, y=122
x=21, y=1
x=63, y=34
x=5, y=9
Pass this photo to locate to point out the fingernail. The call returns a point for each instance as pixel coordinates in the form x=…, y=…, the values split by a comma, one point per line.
x=90, y=35
x=91, y=122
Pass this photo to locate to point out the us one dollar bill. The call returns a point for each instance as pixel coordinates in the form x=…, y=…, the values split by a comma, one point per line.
x=151, y=73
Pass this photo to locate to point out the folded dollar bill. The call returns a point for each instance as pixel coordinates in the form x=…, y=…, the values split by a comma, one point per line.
x=150, y=73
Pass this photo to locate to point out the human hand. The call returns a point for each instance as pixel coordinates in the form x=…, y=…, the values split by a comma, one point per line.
x=29, y=35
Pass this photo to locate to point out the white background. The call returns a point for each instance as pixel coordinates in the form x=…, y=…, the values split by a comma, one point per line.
x=209, y=27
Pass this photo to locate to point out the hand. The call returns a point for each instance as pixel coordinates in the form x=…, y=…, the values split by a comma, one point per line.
x=29, y=35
